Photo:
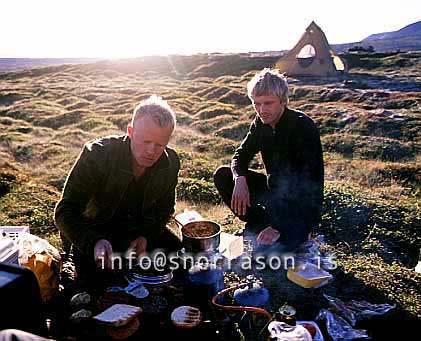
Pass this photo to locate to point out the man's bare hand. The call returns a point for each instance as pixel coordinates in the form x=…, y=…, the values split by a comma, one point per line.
x=268, y=236
x=240, y=199
x=102, y=254
x=138, y=246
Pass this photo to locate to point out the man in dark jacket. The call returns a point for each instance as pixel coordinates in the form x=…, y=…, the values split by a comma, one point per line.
x=284, y=205
x=120, y=193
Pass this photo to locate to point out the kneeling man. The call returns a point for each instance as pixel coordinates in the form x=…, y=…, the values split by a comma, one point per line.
x=284, y=205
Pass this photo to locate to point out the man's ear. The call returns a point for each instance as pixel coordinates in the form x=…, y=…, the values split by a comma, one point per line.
x=129, y=130
x=283, y=102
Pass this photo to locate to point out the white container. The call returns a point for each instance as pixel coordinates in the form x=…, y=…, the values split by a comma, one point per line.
x=8, y=251
x=308, y=275
x=230, y=245
x=12, y=232
x=9, y=235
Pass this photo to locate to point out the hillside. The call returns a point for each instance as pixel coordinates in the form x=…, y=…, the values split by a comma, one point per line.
x=369, y=123
x=15, y=64
x=407, y=38
x=408, y=31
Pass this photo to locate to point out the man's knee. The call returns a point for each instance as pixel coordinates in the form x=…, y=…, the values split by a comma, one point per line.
x=222, y=175
x=18, y=335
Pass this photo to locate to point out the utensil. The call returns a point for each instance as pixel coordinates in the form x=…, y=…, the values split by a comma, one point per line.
x=135, y=288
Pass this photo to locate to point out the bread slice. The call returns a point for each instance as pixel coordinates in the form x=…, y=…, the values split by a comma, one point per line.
x=118, y=315
x=186, y=316
x=123, y=332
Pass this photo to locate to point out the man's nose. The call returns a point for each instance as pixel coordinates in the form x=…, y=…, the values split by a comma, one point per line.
x=151, y=149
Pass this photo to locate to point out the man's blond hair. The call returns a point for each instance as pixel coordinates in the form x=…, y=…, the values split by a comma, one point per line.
x=268, y=82
x=156, y=108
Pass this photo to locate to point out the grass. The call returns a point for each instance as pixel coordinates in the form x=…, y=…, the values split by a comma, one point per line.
x=369, y=124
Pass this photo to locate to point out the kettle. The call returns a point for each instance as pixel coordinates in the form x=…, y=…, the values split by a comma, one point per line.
x=254, y=294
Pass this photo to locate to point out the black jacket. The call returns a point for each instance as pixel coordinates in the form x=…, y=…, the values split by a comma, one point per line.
x=96, y=184
x=293, y=159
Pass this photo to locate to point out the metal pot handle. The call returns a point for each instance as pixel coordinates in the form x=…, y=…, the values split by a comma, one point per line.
x=179, y=224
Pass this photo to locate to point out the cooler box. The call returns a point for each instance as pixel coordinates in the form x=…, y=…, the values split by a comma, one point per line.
x=20, y=299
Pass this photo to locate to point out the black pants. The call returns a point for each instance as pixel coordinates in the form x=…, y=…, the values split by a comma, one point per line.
x=262, y=208
x=90, y=275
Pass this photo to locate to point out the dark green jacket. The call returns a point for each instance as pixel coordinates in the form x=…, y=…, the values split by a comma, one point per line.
x=96, y=184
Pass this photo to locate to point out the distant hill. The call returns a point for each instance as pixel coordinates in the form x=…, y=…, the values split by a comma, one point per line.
x=407, y=38
x=15, y=64
x=410, y=30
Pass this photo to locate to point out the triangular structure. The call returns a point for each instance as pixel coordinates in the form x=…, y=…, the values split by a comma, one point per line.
x=311, y=56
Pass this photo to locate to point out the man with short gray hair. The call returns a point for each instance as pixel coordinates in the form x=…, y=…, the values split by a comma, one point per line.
x=284, y=205
x=120, y=193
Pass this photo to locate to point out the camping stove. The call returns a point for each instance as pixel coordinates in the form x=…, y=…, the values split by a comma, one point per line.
x=204, y=279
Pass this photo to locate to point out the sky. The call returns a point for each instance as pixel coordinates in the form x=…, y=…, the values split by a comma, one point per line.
x=126, y=28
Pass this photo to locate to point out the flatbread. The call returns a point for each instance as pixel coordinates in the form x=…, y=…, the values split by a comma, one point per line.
x=118, y=315
x=123, y=332
x=186, y=316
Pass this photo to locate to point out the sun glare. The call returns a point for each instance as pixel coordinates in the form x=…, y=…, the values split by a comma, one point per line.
x=120, y=29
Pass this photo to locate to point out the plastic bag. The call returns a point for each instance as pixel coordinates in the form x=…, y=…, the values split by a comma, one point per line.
x=309, y=252
x=341, y=309
x=285, y=332
x=364, y=309
x=43, y=259
x=357, y=310
x=188, y=216
x=338, y=328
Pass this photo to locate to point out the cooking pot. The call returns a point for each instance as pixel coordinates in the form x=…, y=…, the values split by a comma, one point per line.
x=201, y=236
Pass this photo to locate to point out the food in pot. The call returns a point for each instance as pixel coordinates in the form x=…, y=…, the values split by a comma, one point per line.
x=200, y=229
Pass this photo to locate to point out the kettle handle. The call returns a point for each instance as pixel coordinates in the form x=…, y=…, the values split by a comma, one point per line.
x=238, y=308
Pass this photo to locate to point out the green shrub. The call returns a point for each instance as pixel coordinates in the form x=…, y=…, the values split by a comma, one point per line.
x=183, y=118
x=368, y=147
x=234, y=132
x=52, y=151
x=6, y=182
x=23, y=153
x=60, y=120
x=7, y=121
x=23, y=114
x=353, y=215
x=23, y=130
x=91, y=123
x=120, y=121
x=235, y=97
x=197, y=168
x=197, y=191
x=213, y=112
x=41, y=220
